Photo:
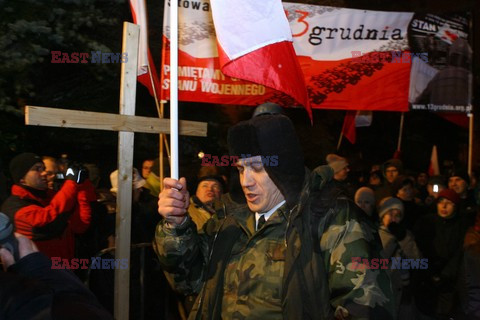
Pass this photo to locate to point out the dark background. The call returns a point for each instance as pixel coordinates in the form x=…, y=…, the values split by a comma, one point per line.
x=30, y=30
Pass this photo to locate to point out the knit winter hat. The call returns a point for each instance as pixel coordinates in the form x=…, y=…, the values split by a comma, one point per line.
x=212, y=173
x=336, y=162
x=21, y=164
x=274, y=138
x=450, y=195
x=388, y=204
x=397, y=163
x=365, y=194
x=462, y=173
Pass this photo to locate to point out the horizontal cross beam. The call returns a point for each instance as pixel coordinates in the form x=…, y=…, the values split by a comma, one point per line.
x=53, y=117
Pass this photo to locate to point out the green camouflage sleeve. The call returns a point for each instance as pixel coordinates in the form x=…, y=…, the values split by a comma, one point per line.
x=182, y=253
x=357, y=292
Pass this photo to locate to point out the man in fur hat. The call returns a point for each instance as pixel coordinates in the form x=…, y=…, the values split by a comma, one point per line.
x=287, y=253
x=210, y=187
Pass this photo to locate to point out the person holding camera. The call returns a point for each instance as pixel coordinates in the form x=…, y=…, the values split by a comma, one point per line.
x=51, y=219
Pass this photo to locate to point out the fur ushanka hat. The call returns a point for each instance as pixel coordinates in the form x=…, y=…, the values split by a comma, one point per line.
x=274, y=138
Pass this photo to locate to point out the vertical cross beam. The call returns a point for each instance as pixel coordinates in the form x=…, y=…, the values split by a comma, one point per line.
x=128, y=88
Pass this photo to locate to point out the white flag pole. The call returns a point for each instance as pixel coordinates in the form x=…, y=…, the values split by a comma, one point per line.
x=340, y=140
x=174, y=89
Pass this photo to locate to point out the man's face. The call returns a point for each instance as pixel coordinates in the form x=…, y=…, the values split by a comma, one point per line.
x=366, y=205
x=208, y=191
x=374, y=180
x=51, y=169
x=260, y=191
x=458, y=185
x=405, y=193
x=394, y=215
x=422, y=179
x=342, y=174
x=36, y=177
x=391, y=174
x=445, y=208
x=146, y=168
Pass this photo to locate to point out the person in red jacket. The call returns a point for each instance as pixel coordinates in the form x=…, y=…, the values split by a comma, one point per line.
x=49, y=219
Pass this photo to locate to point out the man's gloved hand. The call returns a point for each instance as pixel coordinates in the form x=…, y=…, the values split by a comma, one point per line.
x=399, y=231
x=76, y=173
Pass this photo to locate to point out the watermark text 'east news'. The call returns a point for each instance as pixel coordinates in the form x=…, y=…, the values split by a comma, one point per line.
x=96, y=263
x=209, y=160
x=92, y=57
x=359, y=263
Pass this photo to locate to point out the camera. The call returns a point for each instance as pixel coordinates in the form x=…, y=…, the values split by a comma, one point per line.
x=75, y=171
x=435, y=188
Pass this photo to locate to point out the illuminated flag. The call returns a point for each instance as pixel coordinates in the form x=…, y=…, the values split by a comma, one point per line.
x=255, y=44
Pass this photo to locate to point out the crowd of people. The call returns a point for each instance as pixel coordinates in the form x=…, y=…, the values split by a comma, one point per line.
x=273, y=241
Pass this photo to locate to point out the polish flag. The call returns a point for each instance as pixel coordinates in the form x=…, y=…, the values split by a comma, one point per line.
x=434, y=169
x=145, y=61
x=348, y=129
x=255, y=44
x=355, y=119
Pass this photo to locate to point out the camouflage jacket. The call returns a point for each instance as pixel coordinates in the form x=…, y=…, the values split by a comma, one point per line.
x=297, y=266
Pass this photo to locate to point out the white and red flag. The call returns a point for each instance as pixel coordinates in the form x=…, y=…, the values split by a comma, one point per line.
x=348, y=129
x=338, y=50
x=355, y=119
x=255, y=44
x=433, y=168
x=145, y=61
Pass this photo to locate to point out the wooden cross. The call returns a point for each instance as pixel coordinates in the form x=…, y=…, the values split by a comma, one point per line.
x=127, y=124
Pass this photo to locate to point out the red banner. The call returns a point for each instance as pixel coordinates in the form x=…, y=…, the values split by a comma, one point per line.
x=351, y=59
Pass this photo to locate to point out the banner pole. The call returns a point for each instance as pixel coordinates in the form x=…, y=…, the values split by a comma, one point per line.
x=340, y=140
x=400, y=133
x=159, y=105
